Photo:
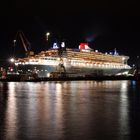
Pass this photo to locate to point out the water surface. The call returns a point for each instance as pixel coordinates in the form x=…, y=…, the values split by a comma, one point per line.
x=70, y=110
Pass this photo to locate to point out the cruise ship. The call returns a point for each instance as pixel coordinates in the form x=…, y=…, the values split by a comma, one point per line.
x=73, y=62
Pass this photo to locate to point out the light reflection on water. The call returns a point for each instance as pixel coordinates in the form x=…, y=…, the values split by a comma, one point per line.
x=68, y=110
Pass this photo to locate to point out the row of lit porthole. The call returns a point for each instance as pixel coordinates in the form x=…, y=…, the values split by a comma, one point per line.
x=99, y=65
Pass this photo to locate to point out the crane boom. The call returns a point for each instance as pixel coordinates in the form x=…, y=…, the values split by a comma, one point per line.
x=25, y=43
x=26, y=50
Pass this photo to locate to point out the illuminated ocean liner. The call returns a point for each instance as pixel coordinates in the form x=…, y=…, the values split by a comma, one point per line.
x=83, y=61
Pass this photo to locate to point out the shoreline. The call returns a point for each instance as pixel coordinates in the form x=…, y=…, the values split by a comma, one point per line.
x=98, y=78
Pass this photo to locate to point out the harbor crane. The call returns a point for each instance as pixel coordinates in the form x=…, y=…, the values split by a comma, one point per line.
x=25, y=43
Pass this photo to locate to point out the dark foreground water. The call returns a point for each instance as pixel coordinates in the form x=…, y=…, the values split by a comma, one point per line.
x=70, y=110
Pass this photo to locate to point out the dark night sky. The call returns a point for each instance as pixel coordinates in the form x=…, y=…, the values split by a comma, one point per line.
x=107, y=24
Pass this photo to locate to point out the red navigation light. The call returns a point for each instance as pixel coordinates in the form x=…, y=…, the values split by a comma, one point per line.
x=10, y=69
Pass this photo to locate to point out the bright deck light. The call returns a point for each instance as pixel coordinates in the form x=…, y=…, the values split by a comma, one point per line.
x=12, y=60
